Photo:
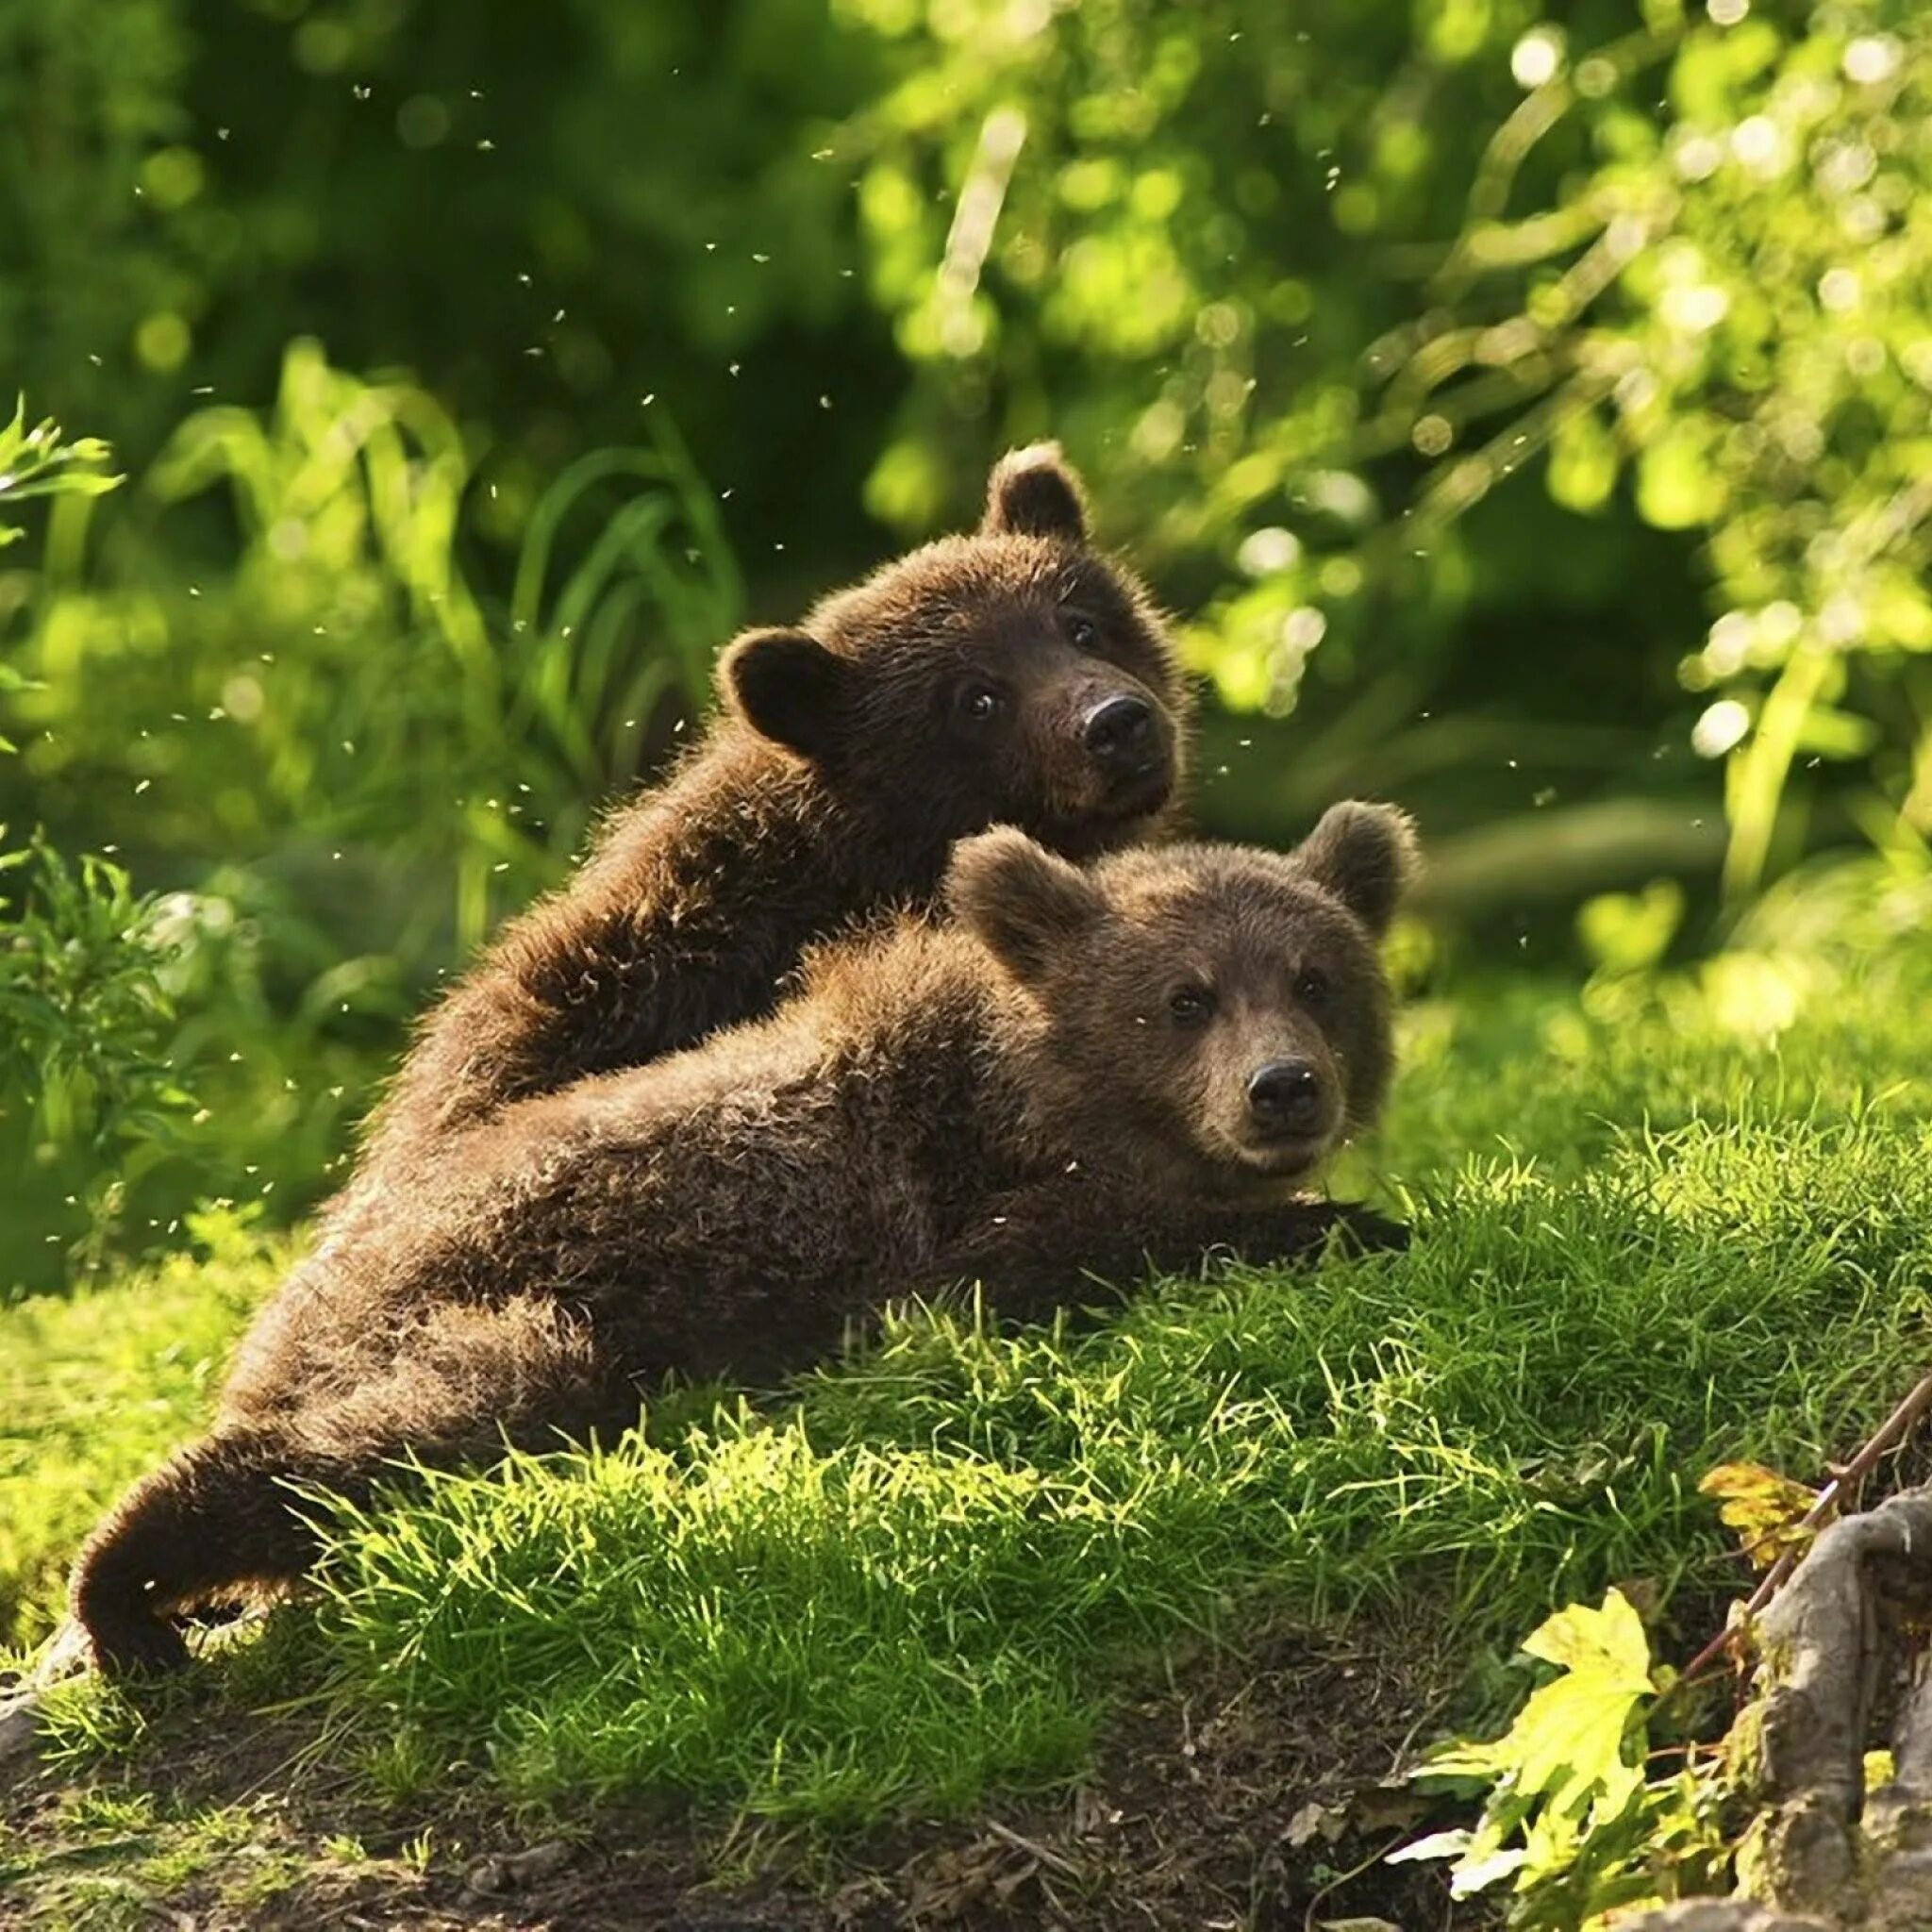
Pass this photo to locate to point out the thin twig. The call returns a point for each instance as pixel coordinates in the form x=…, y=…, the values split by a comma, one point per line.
x=1847, y=1479
x=1343, y=1878
x=1065, y=1867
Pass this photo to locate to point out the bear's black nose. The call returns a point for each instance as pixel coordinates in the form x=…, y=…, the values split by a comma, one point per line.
x=1286, y=1097
x=1120, y=734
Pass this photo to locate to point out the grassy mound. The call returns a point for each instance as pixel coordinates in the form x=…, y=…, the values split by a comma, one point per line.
x=1661, y=1227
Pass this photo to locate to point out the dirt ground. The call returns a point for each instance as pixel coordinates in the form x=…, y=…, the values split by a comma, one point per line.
x=1253, y=1791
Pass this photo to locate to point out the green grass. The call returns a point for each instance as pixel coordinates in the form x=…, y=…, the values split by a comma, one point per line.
x=1656, y=1231
x=101, y=1860
x=96, y=1389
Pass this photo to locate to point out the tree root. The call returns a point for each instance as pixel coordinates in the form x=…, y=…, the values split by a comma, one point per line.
x=1821, y=1852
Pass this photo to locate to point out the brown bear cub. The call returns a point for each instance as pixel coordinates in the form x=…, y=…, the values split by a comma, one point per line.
x=1087, y=1072
x=1010, y=676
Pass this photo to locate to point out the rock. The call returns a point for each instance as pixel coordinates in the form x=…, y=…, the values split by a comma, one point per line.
x=500, y=1872
x=20, y=1732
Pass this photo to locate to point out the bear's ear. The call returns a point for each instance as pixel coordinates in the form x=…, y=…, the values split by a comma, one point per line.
x=1024, y=902
x=788, y=687
x=1034, y=492
x=1365, y=854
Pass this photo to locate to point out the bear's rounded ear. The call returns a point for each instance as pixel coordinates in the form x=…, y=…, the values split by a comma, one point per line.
x=1366, y=855
x=788, y=687
x=1022, y=902
x=1034, y=492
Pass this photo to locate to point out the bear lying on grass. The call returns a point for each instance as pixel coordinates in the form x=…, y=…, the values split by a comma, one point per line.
x=1010, y=676
x=1087, y=1072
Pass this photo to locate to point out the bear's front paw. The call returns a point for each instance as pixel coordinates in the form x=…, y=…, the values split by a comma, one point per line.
x=138, y=1647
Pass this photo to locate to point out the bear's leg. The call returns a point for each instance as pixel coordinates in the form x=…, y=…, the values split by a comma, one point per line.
x=221, y=1515
x=1035, y=1243
x=214, y=1516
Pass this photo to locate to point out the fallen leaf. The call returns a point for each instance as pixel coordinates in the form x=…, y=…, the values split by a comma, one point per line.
x=1766, y=1509
x=1383, y=1807
x=1316, y=1820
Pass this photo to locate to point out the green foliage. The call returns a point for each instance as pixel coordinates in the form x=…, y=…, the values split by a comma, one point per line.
x=1567, y=1755
x=1570, y=1780
x=89, y=1100
x=42, y=462
x=339, y=684
x=1314, y=288
x=1454, y=366
x=924, y=1572
x=1630, y=932
x=1746, y=322
x=1690, y=250
x=96, y=1387
x=345, y=760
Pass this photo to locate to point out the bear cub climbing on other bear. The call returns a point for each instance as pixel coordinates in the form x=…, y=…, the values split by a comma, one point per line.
x=1085, y=1073
x=1014, y=676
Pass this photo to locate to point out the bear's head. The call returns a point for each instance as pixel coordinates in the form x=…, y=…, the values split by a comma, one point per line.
x=1205, y=1018
x=1014, y=676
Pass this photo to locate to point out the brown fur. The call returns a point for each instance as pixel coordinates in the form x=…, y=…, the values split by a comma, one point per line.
x=848, y=759
x=1058, y=1084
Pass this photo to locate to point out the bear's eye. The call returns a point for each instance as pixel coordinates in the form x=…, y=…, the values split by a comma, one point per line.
x=1190, y=1004
x=1311, y=986
x=978, y=703
x=1082, y=632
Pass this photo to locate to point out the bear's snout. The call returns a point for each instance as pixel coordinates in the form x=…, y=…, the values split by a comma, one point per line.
x=1289, y=1097
x=1290, y=1112
x=1121, y=736
x=1129, y=742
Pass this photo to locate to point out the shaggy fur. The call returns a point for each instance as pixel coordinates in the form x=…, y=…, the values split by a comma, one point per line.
x=1062, y=1083
x=954, y=689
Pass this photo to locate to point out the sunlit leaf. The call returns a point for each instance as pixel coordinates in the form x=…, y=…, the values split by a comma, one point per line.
x=1569, y=1763
x=1831, y=733
x=1583, y=463
x=1677, y=487
x=1765, y=1508
x=1630, y=932
x=13, y=435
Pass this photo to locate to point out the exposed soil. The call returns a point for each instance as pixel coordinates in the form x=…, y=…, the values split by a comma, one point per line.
x=1253, y=1791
